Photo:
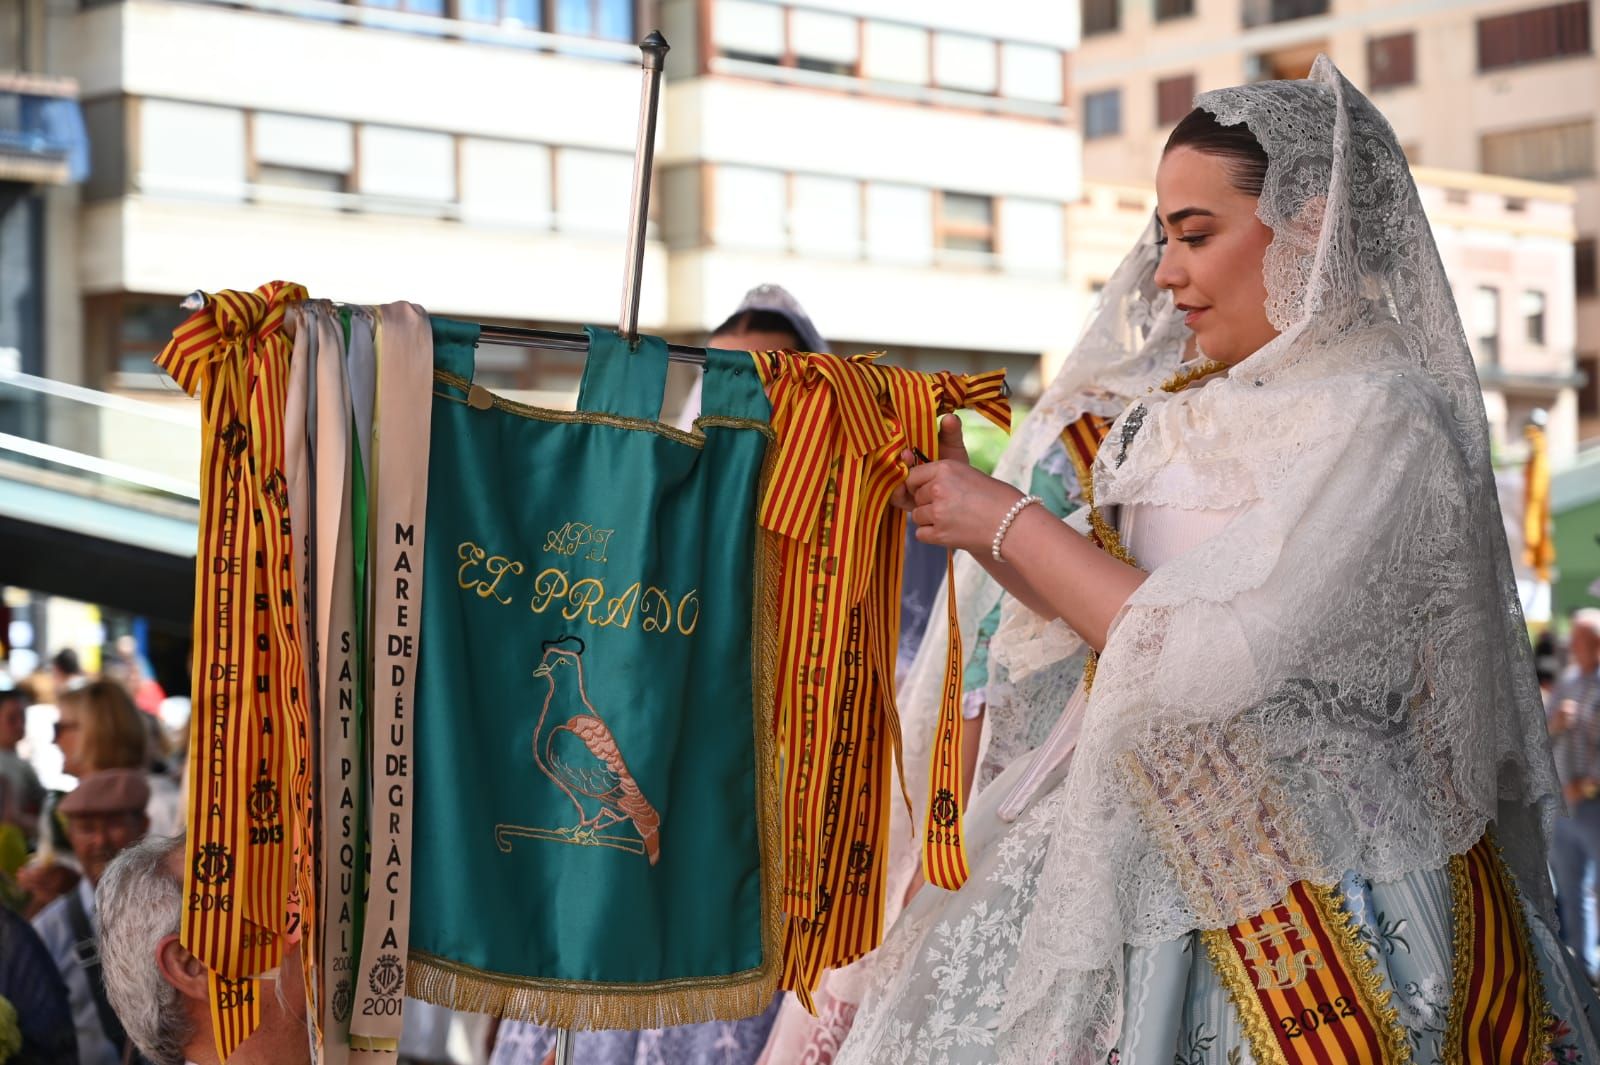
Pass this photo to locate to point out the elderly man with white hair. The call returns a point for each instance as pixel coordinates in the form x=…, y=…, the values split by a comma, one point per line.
x=159, y=989
x=1574, y=721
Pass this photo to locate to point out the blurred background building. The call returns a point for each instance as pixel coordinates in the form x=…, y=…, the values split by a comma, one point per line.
x=950, y=182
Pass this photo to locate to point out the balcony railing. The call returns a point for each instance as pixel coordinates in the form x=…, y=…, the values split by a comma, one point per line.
x=797, y=44
x=96, y=443
x=42, y=137
x=466, y=25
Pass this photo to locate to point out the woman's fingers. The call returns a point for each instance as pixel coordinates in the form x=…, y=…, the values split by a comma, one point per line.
x=922, y=475
x=952, y=444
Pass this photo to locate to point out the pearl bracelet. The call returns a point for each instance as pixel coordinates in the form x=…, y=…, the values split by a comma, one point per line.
x=1005, y=523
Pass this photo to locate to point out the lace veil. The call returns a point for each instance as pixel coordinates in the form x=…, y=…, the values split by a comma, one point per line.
x=1339, y=681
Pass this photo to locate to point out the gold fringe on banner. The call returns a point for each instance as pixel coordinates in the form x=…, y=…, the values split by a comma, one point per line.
x=583, y=1006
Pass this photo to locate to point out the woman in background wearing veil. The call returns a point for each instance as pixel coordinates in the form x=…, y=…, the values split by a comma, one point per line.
x=1295, y=806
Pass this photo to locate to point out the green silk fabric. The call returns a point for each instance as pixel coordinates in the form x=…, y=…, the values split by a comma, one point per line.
x=619, y=557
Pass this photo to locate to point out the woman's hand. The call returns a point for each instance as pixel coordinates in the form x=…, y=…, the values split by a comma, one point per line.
x=952, y=504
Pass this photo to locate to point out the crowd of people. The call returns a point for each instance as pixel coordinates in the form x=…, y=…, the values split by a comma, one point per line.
x=1314, y=704
x=123, y=768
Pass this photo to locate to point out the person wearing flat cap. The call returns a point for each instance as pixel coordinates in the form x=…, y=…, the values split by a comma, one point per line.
x=104, y=815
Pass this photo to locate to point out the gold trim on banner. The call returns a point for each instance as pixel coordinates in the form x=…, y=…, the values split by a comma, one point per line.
x=585, y=417
x=1462, y=937
x=1378, y=1002
x=587, y=1005
x=584, y=1006
x=769, y=788
x=1258, y=1029
x=1542, y=1017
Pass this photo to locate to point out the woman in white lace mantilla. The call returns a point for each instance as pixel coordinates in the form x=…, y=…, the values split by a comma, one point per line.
x=1296, y=810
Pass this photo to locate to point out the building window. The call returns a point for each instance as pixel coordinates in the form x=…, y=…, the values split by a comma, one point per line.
x=899, y=224
x=1589, y=394
x=315, y=154
x=895, y=53
x=1531, y=36
x=823, y=42
x=748, y=207
x=1533, y=316
x=1032, y=236
x=1548, y=153
x=608, y=19
x=1291, y=63
x=411, y=7
x=408, y=167
x=1174, y=98
x=1263, y=12
x=965, y=223
x=1101, y=16
x=749, y=31
x=1486, y=323
x=1585, y=267
x=591, y=189
x=1029, y=72
x=170, y=159
x=825, y=216
x=505, y=183
x=124, y=333
x=1171, y=9
x=1392, y=61
x=522, y=13
x=967, y=64
x=1102, y=113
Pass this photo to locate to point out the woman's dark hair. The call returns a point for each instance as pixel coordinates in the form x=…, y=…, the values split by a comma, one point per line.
x=758, y=322
x=1235, y=145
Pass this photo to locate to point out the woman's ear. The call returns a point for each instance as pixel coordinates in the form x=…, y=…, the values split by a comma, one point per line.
x=181, y=969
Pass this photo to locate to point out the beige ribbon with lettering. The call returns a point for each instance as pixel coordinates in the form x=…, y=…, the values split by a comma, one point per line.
x=400, y=429
x=335, y=684
x=297, y=452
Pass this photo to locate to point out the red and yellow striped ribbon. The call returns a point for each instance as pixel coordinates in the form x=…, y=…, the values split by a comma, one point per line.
x=248, y=753
x=841, y=426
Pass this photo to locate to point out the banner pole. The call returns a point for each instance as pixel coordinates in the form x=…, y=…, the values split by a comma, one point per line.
x=653, y=57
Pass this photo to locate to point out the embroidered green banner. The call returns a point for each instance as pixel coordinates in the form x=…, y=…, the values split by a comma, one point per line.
x=596, y=794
